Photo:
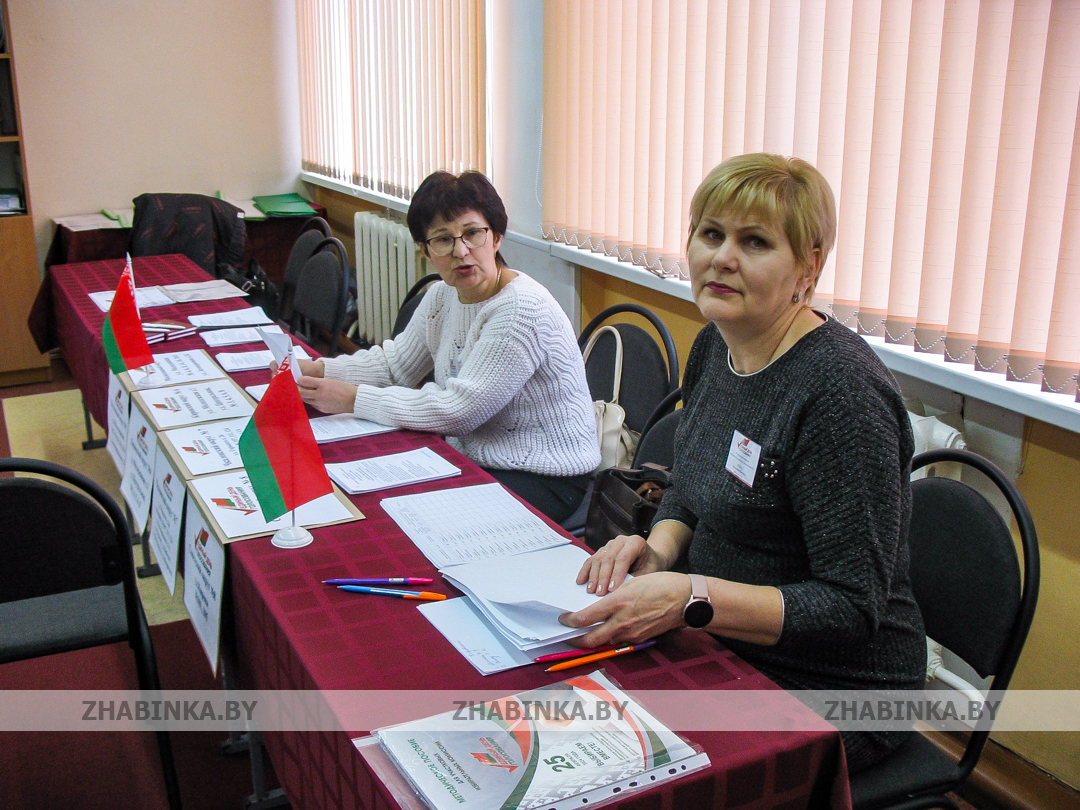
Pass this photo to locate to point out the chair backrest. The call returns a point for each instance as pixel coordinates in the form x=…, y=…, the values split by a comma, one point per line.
x=657, y=442
x=58, y=538
x=209, y=231
x=411, y=301
x=320, y=298
x=648, y=374
x=314, y=230
x=966, y=575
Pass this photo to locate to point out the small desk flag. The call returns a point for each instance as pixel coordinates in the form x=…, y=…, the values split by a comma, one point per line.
x=125, y=342
x=278, y=449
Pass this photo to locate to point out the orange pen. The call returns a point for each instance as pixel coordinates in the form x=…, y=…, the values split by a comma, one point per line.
x=588, y=659
x=426, y=596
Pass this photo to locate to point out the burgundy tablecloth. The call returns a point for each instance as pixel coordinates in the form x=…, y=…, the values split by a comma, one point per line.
x=293, y=632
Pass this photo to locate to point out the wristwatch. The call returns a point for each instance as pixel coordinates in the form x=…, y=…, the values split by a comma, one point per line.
x=699, y=610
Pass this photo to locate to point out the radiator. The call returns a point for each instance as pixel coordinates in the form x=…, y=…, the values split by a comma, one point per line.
x=387, y=265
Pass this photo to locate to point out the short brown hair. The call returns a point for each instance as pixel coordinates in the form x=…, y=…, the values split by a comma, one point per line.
x=787, y=191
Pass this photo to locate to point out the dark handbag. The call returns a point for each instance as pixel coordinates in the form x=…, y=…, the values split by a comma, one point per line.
x=261, y=291
x=624, y=502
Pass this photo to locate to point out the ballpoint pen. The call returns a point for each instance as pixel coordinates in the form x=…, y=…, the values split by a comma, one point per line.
x=381, y=581
x=588, y=659
x=423, y=595
x=562, y=656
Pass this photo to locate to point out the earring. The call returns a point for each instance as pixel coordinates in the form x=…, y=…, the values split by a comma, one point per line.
x=797, y=297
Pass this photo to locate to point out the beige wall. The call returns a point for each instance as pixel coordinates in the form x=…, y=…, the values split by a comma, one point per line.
x=121, y=97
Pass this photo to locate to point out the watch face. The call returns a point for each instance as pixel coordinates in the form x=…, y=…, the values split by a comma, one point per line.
x=698, y=614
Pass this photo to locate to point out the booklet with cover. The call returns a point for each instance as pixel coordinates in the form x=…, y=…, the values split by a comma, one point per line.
x=570, y=744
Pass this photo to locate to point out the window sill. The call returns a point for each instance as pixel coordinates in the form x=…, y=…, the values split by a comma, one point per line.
x=367, y=195
x=1023, y=398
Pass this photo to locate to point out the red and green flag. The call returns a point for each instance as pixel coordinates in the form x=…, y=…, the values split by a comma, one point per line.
x=125, y=342
x=279, y=451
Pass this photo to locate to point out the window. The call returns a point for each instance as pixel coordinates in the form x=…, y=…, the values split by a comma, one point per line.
x=391, y=90
x=948, y=131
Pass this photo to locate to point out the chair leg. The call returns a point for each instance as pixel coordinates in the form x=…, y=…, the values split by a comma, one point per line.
x=261, y=799
x=168, y=770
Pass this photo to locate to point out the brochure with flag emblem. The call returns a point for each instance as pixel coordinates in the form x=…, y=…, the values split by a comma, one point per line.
x=568, y=745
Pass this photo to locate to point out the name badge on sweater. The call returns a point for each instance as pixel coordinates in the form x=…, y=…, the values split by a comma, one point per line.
x=742, y=458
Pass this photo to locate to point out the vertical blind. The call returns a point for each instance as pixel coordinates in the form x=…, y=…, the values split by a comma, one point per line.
x=947, y=129
x=391, y=90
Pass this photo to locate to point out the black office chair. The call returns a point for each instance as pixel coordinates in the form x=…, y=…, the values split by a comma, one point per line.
x=967, y=581
x=68, y=578
x=411, y=301
x=314, y=231
x=319, y=302
x=657, y=442
x=649, y=376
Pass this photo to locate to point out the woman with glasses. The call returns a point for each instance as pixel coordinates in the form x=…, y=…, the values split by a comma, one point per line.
x=509, y=390
x=790, y=497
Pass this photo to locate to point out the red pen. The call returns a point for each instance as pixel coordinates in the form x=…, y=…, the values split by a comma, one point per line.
x=562, y=656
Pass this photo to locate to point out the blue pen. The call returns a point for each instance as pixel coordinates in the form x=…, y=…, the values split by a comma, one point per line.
x=381, y=581
x=424, y=595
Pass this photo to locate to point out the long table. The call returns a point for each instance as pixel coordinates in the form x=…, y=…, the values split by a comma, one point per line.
x=292, y=632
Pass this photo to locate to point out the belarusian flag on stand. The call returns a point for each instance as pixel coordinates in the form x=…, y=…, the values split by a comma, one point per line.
x=279, y=451
x=125, y=342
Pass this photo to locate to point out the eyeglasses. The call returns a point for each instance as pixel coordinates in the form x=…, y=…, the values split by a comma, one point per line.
x=444, y=245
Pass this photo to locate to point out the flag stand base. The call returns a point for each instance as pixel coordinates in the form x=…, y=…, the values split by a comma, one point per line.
x=292, y=537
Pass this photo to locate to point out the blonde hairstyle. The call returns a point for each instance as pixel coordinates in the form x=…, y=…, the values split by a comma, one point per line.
x=788, y=192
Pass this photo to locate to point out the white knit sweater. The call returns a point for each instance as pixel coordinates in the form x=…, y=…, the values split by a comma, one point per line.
x=509, y=391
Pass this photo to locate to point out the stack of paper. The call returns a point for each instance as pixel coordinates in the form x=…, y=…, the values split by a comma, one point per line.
x=158, y=331
x=252, y=316
x=236, y=336
x=394, y=470
x=284, y=205
x=340, y=426
x=247, y=361
x=517, y=573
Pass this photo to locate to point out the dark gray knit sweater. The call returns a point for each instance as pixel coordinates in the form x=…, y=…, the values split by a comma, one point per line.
x=826, y=519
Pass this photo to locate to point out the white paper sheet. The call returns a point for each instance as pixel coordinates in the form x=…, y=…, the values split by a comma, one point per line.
x=191, y=404
x=175, y=368
x=232, y=502
x=166, y=518
x=204, y=580
x=252, y=316
x=465, y=628
x=340, y=426
x=145, y=297
x=237, y=335
x=119, y=408
x=394, y=470
x=249, y=361
x=257, y=391
x=214, y=290
x=137, y=485
x=455, y=526
x=208, y=448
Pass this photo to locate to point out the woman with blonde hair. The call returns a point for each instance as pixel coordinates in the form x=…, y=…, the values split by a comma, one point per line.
x=791, y=497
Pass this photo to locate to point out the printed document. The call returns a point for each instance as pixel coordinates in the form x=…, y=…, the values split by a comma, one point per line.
x=206, y=448
x=144, y=297
x=173, y=368
x=394, y=470
x=454, y=526
x=213, y=290
x=234, y=337
x=252, y=316
x=190, y=404
x=340, y=426
x=250, y=361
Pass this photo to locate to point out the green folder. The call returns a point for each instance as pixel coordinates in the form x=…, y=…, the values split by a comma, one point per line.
x=284, y=205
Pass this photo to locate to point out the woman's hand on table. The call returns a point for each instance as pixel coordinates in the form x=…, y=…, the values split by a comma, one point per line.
x=327, y=396
x=640, y=609
x=605, y=570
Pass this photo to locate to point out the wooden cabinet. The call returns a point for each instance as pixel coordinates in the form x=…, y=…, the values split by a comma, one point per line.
x=20, y=361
